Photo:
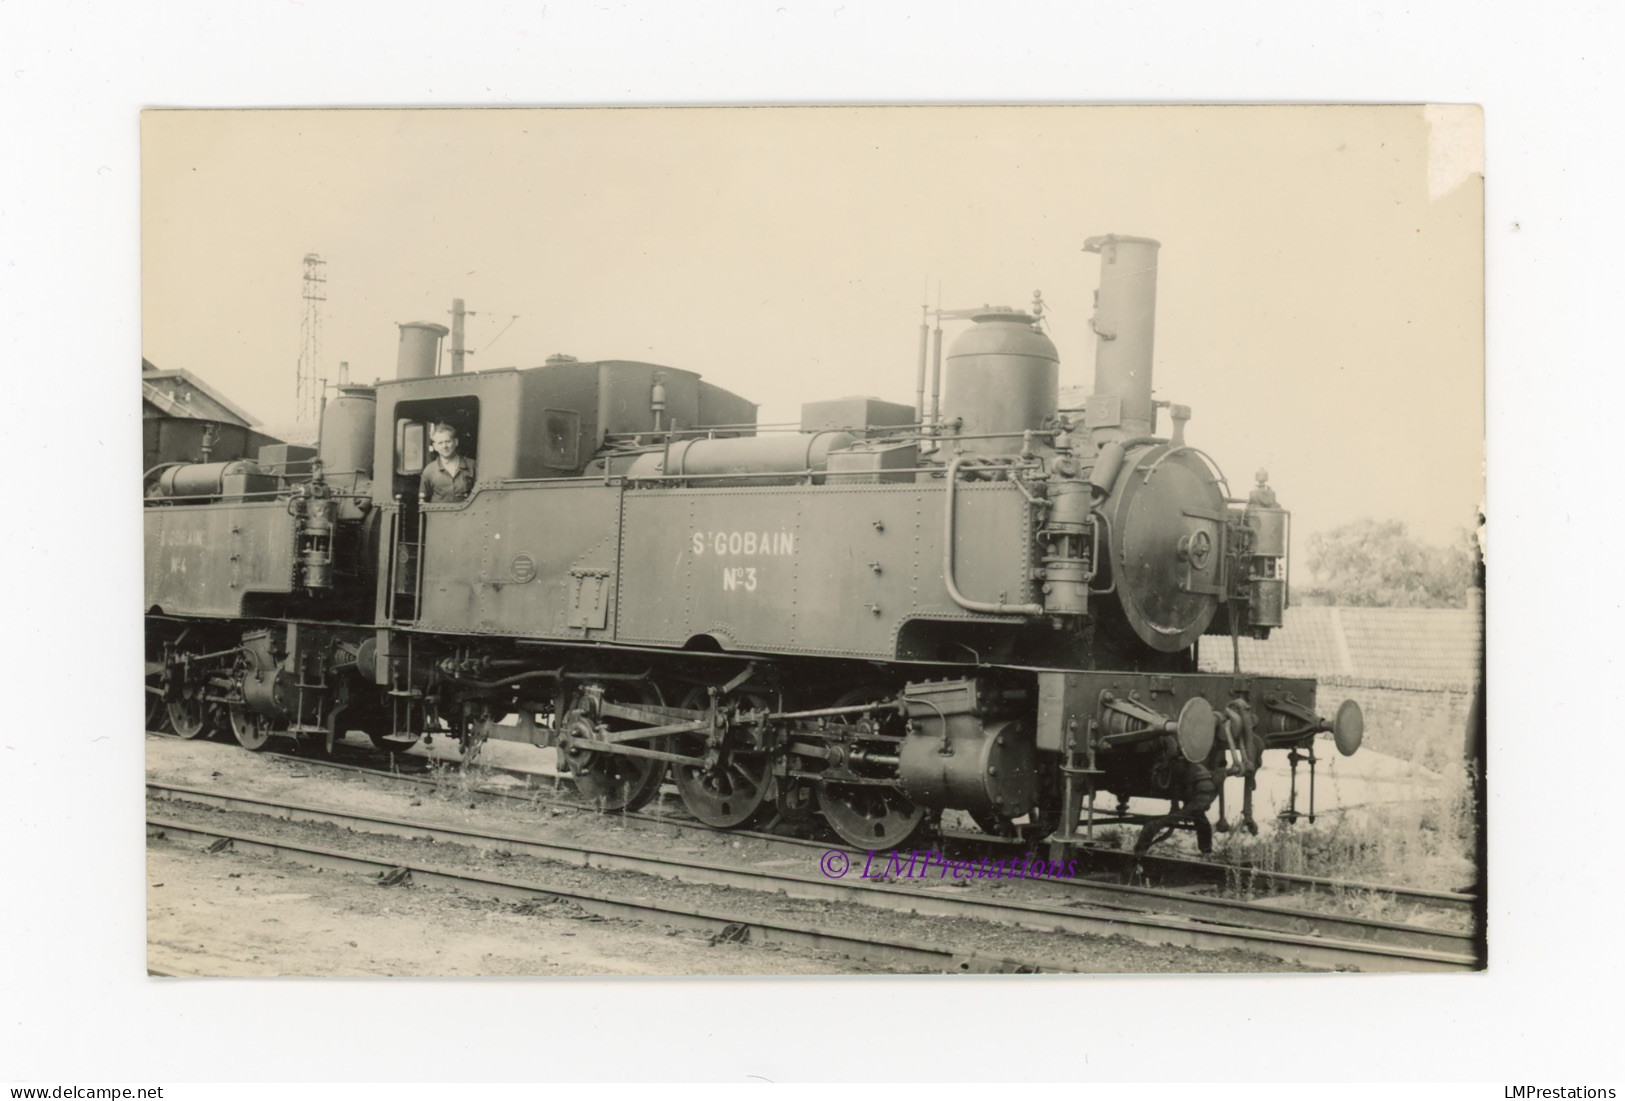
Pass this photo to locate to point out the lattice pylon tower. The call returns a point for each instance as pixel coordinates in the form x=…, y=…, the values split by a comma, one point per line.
x=308, y=383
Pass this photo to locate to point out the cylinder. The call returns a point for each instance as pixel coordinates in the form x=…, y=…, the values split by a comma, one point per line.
x=1266, y=601
x=714, y=460
x=1124, y=321
x=1003, y=376
x=970, y=766
x=203, y=479
x=419, y=354
x=347, y=432
x=1269, y=531
x=267, y=688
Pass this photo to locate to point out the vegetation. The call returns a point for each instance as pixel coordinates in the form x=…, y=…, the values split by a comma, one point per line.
x=1377, y=564
x=1421, y=843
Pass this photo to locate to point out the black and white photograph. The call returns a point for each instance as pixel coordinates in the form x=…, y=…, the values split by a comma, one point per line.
x=809, y=543
x=790, y=541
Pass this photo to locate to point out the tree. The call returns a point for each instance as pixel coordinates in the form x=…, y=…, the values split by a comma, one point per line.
x=1376, y=564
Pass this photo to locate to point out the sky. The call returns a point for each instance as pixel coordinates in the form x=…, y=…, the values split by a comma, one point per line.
x=1320, y=296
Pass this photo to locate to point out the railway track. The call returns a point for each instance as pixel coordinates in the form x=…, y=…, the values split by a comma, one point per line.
x=1265, y=881
x=720, y=924
x=1142, y=914
x=1165, y=881
x=1170, y=870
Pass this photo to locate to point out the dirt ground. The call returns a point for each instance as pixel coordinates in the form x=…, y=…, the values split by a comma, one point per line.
x=250, y=915
x=241, y=914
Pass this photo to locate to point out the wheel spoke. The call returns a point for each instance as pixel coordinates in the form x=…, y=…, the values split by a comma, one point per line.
x=741, y=790
x=250, y=729
x=192, y=716
x=612, y=781
x=867, y=817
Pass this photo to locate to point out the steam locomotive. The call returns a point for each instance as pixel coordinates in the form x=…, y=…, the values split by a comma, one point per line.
x=984, y=604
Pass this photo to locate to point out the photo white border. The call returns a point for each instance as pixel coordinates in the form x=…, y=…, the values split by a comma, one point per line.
x=79, y=1008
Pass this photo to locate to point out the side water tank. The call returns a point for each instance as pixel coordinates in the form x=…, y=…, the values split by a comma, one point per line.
x=746, y=461
x=1002, y=377
x=347, y=432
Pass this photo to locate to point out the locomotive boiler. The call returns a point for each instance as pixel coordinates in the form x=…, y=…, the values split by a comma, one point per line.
x=990, y=606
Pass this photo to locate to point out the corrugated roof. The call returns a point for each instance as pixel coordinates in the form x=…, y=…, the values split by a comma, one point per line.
x=1394, y=647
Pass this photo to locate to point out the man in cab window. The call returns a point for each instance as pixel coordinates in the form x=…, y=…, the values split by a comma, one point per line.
x=449, y=475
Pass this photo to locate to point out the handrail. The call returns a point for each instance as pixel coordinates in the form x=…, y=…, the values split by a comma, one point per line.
x=982, y=606
x=393, y=543
x=422, y=556
x=1218, y=475
x=258, y=496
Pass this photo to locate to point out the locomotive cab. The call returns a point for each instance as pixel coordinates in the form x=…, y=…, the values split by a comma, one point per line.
x=509, y=558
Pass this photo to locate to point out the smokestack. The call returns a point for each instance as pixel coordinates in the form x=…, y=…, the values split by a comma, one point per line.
x=419, y=355
x=1125, y=317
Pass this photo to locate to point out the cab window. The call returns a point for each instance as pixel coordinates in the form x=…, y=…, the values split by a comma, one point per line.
x=411, y=446
x=561, y=438
x=414, y=419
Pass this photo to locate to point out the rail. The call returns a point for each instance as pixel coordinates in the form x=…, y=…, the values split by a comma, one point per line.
x=816, y=935
x=1121, y=917
x=1117, y=897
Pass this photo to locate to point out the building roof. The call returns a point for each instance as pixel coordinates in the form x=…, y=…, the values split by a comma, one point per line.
x=1424, y=648
x=173, y=393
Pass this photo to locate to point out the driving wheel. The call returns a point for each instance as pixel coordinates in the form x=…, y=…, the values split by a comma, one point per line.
x=614, y=781
x=191, y=715
x=738, y=789
x=250, y=728
x=869, y=816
